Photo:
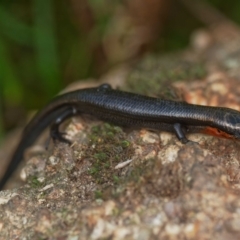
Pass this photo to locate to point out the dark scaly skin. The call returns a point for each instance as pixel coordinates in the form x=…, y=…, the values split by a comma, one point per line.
x=127, y=109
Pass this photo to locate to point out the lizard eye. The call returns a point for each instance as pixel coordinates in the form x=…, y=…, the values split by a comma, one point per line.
x=104, y=86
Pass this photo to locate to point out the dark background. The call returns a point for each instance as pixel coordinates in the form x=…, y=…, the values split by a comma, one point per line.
x=47, y=44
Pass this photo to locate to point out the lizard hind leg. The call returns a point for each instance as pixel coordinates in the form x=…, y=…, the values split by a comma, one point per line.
x=55, y=134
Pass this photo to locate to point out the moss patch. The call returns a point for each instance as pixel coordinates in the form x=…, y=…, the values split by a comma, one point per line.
x=155, y=75
x=34, y=182
x=107, y=146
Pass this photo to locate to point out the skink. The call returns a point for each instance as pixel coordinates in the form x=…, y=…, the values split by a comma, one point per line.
x=130, y=110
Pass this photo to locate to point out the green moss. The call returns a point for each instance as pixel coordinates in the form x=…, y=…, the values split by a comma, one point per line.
x=98, y=194
x=107, y=147
x=155, y=75
x=115, y=179
x=135, y=174
x=34, y=182
x=93, y=170
x=125, y=143
x=100, y=156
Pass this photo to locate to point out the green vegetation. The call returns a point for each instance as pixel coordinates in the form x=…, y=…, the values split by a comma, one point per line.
x=110, y=148
x=34, y=182
x=155, y=74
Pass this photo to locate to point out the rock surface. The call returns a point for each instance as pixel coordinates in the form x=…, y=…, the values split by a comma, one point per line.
x=115, y=183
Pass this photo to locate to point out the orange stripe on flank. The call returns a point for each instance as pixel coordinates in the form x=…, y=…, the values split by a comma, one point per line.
x=216, y=132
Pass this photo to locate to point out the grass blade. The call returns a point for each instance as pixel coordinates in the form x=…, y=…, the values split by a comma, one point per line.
x=45, y=45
